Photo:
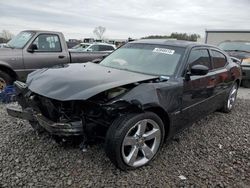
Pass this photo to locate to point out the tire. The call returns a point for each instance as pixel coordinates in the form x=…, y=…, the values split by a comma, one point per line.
x=37, y=127
x=231, y=99
x=246, y=83
x=124, y=138
x=5, y=80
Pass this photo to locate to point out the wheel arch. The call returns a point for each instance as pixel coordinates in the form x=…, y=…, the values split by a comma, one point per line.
x=136, y=107
x=164, y=117
x=238, y=82
x=7, y=69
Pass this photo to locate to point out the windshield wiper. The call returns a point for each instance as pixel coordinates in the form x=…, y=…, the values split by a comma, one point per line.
x=163, y=78
x=237, y=51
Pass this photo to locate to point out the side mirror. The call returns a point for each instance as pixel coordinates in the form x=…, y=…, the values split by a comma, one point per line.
x=90, y=50
x=32, y=48
x=199, y=70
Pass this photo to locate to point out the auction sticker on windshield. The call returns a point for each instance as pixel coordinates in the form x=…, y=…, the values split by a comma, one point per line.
x=164, y=51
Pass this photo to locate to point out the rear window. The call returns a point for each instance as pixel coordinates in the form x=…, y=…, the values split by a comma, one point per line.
x=235, y=45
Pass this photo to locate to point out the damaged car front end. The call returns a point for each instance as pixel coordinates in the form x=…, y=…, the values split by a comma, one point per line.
x=89, y=113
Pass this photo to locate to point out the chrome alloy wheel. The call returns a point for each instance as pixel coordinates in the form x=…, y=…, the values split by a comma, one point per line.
x=141, y=143
x=2, y=84
x=232, y=97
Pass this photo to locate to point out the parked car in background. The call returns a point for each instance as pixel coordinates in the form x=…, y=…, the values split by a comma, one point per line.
x=80, y=46
x=135, y=99
x=71, y=44
x=94, y=47
x=240, y=50
x=31, y=50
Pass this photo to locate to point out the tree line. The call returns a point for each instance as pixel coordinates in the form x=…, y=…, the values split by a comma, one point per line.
x=175, y=35
x=5, y=36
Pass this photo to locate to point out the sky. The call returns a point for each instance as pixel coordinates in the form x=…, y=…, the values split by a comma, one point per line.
x=124, y=18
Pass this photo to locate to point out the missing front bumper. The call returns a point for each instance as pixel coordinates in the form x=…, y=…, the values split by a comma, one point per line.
x=74, y=128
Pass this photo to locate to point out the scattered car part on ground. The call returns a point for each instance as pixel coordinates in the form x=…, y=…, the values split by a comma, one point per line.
x=240, y=50
x=8, y=94
x=145, y=92
x=32, y=50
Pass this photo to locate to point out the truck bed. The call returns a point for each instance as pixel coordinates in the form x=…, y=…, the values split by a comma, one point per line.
x=81, y=57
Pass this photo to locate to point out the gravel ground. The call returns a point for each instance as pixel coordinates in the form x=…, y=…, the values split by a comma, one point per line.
x=244, y=93
x=214, y=152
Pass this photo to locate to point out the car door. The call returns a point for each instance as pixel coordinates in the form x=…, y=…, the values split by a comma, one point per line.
x=223, y=76
x=48, y=53
x=96, y=52
x=198, y=91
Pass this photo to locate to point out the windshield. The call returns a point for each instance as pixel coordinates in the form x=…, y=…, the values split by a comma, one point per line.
x=145, y=58
x=235, y=46
x=20, y=40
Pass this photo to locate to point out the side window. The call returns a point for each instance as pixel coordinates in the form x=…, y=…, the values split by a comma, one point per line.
x=94, y=48
x=48, y=43
x=199, y=57
x=219, y=60
x=106, y=48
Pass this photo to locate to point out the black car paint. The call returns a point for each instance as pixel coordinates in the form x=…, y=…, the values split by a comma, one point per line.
x=179, y=101
x=80, y=81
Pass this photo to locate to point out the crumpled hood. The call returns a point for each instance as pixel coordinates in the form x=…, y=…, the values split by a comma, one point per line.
x=80, y=81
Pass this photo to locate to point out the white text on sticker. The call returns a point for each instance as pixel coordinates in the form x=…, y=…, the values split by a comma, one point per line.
x=164, y=51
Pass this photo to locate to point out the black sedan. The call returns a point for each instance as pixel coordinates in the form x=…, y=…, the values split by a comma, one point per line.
x=135, y=99
x=240, y=50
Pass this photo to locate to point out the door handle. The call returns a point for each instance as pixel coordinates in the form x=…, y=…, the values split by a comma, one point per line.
x=61, y=56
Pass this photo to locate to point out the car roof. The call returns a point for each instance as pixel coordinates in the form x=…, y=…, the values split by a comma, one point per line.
x=85, y=43
x=246, y=41
x=102, y=43
x=42, y=31
x=171, y=42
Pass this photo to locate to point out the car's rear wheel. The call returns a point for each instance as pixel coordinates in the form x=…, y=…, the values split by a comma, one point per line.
x=231, y=99
x=133, y=140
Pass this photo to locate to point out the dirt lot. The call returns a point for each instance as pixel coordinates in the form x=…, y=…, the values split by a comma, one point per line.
x=215, y=151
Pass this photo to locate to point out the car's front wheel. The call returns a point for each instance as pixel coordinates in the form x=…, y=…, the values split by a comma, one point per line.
x=133, y=140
